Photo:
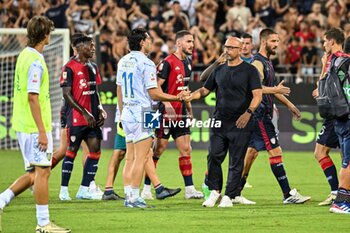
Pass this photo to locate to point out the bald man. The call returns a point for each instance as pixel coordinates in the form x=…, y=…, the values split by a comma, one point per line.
x=238, y=93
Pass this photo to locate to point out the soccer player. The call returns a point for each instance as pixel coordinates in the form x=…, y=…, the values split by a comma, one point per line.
x=326, y=140
x=333, y=41
x=247, y=47
x=238, y=94
x=136, y=87
x=173, y=75
x=85, y=115
x=32, y=122
x=264, y=136
x=117, y=156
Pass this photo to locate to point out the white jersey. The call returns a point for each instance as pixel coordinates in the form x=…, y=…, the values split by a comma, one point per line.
x=136, y=74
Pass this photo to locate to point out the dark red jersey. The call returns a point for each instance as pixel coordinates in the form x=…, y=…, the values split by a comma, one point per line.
x=83, y=79
x=176, y=74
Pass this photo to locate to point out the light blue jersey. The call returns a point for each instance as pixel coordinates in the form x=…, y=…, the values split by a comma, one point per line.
x=136, y=74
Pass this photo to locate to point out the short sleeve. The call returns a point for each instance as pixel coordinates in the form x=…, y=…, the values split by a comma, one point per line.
x=254, y=78
x=119, y=78
x=98, y=75
x=211, y=84
x=163, y=70
x=34, y=77
x=150, y=75
x=66, y=79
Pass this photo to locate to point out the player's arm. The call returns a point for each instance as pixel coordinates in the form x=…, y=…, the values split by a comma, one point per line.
x=34, y=82
x=102, y=115
x=279, y=89
x=205, y=74
x=295, y=111
x=254, y=104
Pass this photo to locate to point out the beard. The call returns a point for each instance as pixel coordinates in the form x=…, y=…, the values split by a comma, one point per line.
x=187, y=52
x=270, y=51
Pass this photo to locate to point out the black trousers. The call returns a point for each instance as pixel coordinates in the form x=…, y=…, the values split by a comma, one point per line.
x=235, y=141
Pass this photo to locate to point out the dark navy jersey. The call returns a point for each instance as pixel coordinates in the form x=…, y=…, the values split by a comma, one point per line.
x=176, y=74
x=83, y=79
x=233, y=86
x=266, y=106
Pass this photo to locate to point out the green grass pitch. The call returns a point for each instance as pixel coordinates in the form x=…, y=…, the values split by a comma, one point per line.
x=177, y=214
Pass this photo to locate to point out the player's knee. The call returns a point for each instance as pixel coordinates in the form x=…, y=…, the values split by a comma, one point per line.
x=71, y=153
x=121, y=155
x=185, y=151
x=159, y=151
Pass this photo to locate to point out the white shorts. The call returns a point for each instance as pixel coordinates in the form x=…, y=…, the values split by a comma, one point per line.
x=30, y=151
x=135, y=132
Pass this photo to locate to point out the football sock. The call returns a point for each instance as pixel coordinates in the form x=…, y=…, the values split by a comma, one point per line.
x=330, y=172
x=6, y=197
x=42, y=215
x=159, y=188
x=90, y=168
x=108, y=191
x=185, y=165
x=127, y=192
x=147, y=179
x=67, y=167
x=280, y=174
x=206, y=177
x=343, y=195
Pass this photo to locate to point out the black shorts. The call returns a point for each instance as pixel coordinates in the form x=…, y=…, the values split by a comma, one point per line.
x=76, y=134
x=264, y=136
x=175, y=132
x=327, y=136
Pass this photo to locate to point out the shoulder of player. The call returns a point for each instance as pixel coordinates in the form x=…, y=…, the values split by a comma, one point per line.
x=148, y=62
x=37, y=65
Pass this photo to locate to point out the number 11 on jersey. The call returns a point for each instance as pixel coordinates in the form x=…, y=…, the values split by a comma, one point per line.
x=128, y=79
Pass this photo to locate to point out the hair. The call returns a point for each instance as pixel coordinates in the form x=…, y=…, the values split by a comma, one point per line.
x=347, y=45
x=247, y=36
x=37, y=29
x=75, y=37
x=80, y=38
x=336, y=34
x=181, y=34
x=265, y=33
x=135, y=37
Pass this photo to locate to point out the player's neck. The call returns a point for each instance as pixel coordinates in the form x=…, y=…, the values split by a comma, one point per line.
x=337, y=48
x=81, y=59
x=264, y=53
x=39, y=47
x=180, y=55
x=235, y=62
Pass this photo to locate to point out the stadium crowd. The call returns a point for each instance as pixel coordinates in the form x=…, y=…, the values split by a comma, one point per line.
x=300, y=25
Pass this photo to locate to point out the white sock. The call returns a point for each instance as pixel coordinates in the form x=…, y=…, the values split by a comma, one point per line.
x=64, y=188
x=189, y=188
x=6, y=197
x=92, y=184
x=335, y=192
x=127, y=191
x=42, y=215
x=135, y=193
x=147, y=188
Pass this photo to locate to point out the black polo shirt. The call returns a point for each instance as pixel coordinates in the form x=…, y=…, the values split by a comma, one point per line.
x=233, y=86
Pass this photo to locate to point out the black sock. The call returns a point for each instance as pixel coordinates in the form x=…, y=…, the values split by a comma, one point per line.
x=67, y=167
x=280, y=174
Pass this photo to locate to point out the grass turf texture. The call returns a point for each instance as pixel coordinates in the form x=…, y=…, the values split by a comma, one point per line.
x=177, y=214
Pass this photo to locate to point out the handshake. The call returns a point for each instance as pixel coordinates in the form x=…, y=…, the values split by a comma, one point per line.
x=185, y=95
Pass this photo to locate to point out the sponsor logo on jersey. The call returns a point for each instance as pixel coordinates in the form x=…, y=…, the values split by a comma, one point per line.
x=82, y=84
x=88, y=92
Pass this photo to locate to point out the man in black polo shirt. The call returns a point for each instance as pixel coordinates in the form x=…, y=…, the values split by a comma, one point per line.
x=238, y=94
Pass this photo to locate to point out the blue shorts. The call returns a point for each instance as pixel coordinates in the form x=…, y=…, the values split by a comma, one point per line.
x=119, y=139
x=327, y=136
x=174, y=131
x=76, y=134
x=264, y=136
x=342, y=128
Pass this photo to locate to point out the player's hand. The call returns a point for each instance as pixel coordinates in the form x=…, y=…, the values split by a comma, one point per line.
x=281, y=89
x=315, y=93
x=101, y=118
x=296, y=113
x=183, y=94
x=42, y=141
x=90, y=119
x=170, y=112
x=222, y=58
x=243, y=120
x=104, y=114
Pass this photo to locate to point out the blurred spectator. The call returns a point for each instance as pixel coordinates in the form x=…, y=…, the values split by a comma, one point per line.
x=240, y=12
x=266, y=13
x=232, y=27
x=291, y=19
x=189, y=8
x=293, y=56
x=280, y=6
x=106, y=54
x=210, y=52
x=120, y=46
x=157, y=54
x=304, y=32
x=137, y=19
x=336, y=10
x=346, y=27
x=85, y=25
x=316, y=15
x=57, y=13
x=308, y=59
x=206, y=13
x=177, y=18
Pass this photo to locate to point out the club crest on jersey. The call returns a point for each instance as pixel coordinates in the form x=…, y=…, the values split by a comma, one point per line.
x=179, y=79
x=64, y=75
x=166, y=131
x=82, y=84
x=273, y=140
x=73, y=138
